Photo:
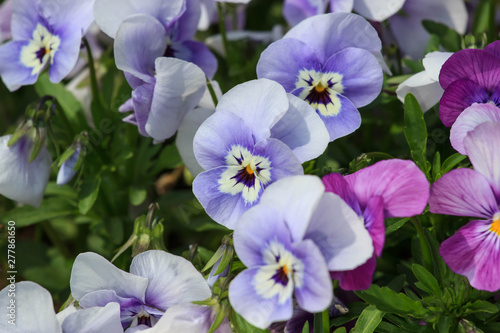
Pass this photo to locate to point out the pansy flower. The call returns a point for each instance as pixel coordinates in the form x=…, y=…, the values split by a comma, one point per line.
x=5, y=18
x=331, y=63
x=289, y=242
x=45, y=34
x=164, y=88
x=257, y=135
x=179, y=19
x=469, y=76
x=391, y=188
x=157, y=281
x=474, y=249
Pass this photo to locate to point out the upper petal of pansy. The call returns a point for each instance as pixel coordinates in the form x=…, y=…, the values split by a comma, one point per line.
x=33, y=309
x=285, y=70
x=178, y=89
x=457, y=97
x=493, y=48
x=313, y=289
x=217, y=135
x=260, y=103
x=426, y=90
x=474, y=251
x=172, y=279
x=139, y=41
x=479, y=66
x=14, y=73
x=96, y=319
x=75, y=16
x=361, y=75
x=302, y=130
x=375, y=222
x=468, y=120
x=339, y=234
x=165, y=11
x=295, y=11
x=187, y=24
x=296, y=197
x=197, y=53
x=341, y=5
x=21, y=180
x=402, y=185
x=433, y=62
x=91, y=272
x=482, y=145
x=185, y=137
x=335, y=183
x=5, y=18
x=377, y=10
x=463, y=192
x=258, y=311
x=24, y=19
x=351, y=30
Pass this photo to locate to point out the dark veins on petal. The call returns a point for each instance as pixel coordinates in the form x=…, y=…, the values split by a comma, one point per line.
x=281, y=276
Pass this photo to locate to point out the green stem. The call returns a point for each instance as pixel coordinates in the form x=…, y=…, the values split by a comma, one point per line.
x=212, y=92
x=491, y=22
x=54, y=238
x=94, y=86
x=423, y=244
x=326, y=321
x=223, y=33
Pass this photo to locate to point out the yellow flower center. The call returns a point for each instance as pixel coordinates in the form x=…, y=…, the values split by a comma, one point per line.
x=319, y=88
x=495, y=226
x=249, y=170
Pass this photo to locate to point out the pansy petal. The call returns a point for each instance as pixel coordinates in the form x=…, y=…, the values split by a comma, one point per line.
x=178, y=89
x=493, y=48
x=197, y=53
x=295, y=11
x=285, y=70
x=341, y=5
x=139, y=41
x=375, y=222
x=284, y=163
x=474, y=251
x=339, y=234
x=350, y=31
x=477, y=65
x=482, y=145
x=33, y=309
x=468, y=120
x=185, y=136
x=91, y=272
x=463, y=192
x=142, y=99
x=68, y=15
x=434, y=61
x=402, y=185
x=24, y=19
x=21, y=180
x=97, y=319
x=335, y=183
x=377, y=10
x=259, y=312
x=217, y=135
x=314, y=293
x=302, y=130
x=260, y=103
x=359, y=278
x=187, y=23
x=172, y=279
x=361, y=74
x=65, y=58
x=14, y=73
x=457, y=97
x=427, y=91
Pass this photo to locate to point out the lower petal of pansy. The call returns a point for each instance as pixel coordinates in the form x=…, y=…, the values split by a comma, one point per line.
x=272, y=154
x=457, y=97
x=14, y=74
x=257, y=310
x=474, y=251
x=359, y=278
x=97, y=319
x=64, y=60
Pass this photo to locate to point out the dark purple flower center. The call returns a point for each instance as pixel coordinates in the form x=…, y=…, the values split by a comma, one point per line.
x=41, y=53
x=319, y=94
x=281, y=275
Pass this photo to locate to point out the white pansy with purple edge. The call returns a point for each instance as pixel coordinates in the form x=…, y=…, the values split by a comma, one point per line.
x=34, y=313
x=289, y=242
x=164, y=88
x=179, y=19
x=257, y=135
x=157, y=281
x=45, y=34
x=332, y=64
x=474, y=250
x=21, y=180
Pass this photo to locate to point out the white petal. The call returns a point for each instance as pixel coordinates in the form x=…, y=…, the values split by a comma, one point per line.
x=378, y=10
x=96, y=319
x=427, y=91
x=434, y=61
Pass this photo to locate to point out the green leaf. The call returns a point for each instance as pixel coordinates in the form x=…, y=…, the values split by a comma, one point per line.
x=427, y=279
x=340, y=330
x=449, y=38
x=137, y=195
x=398, y=283
x=436, y=166
x=217, y=255
x=432, y=44
x=415, y=66
x=88, y=194
x=227, y=257
x=481, y=17
x=388, y=300
x=415, y=131
x=451, y=162
x=480, y=306
x=394, y=224
x=219, y=317
x=67, y=154
x=368, y=321
x=305, y=329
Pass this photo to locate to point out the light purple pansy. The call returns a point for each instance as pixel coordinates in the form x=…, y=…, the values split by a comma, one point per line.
x=21, y=180
x=452, y=13
x=164, y=88
x=425, y=84
x=295, y=11
x=469, y=76
x=289, y=242
x=179, y=19
x=45, y=34
x=257, y=135
x=336, y=72
x=474, y=249
x=390, y=188
x=157, y=281
x=33, y=311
